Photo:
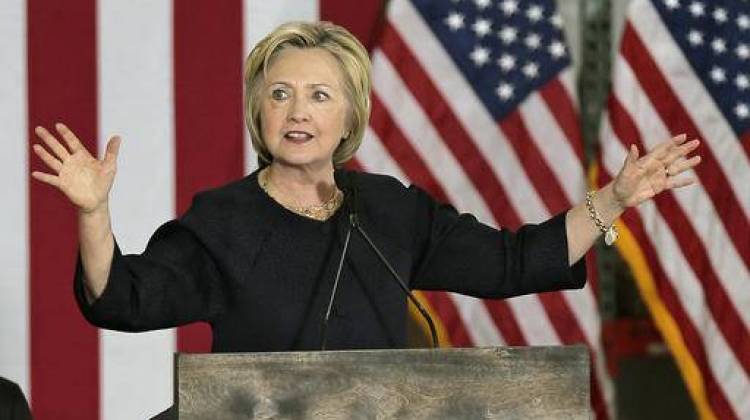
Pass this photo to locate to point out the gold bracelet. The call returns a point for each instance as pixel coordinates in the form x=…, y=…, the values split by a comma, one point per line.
x=610, y=233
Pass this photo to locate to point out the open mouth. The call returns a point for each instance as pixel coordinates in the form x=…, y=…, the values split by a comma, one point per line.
x=298, y=136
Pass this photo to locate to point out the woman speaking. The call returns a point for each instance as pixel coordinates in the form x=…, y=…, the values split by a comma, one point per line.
x=258, y=258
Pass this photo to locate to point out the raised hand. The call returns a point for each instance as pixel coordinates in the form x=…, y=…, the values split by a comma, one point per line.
x=83, y=178
x=642, y=178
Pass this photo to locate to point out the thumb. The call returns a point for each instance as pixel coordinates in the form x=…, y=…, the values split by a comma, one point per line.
x=633, y=155
x=113, y=149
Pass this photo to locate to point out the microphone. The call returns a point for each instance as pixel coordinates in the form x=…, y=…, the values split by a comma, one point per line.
x=352, y=197
x=345, y=184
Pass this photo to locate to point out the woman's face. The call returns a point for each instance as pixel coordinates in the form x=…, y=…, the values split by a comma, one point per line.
x=304, y=108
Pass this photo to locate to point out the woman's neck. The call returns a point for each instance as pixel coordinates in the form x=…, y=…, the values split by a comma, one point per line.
x=303, y=186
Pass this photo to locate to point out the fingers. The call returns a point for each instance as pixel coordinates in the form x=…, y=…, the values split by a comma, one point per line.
x=58, y=149
x=46, y=178
x=633, y=155
x=662, y=150
x=680, y=182
x=681, y=151
x=47, y=158
x=113, y=149
x=666, y=153
x=683, y=165
x=70, y=138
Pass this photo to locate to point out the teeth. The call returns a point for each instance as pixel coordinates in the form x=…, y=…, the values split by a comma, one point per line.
x=297, y=135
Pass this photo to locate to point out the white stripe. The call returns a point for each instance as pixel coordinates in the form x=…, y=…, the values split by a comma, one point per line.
x=554, y=146
x=532, y=319
x=586, y=312
x=479, y=325
x=260, y=18
x=14, y=179
x=469, y=110
x=418, y=128
x=725, y=367
x=567, y=78
x=696, y=100
x=375, y=158
x=694, y=200
x=136, y=100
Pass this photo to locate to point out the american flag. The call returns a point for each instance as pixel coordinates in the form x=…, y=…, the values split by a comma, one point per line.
x=682, y=67
x=473, y=100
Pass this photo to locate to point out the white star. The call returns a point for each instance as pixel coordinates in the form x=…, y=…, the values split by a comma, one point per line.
x=504, y=91
x=742, y=81
x=533, y=41
x=506, y=62
x=697, y=9
x=742, y=51
x=720, y=15
x=556, y=21
x=482, y=27
x=742, y=110
x=482, y=4
x=672, y=4
x=535, y=13
x=508, y=34
x=695, y=37
x=509, y=7
x=718, y=45
x=531, y=70
x=557, y=49
x=455, y=21
x=743, y=21
x=718, y=75
x=480, y=56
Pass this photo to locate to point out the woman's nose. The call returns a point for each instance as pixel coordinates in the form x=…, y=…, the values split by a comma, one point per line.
x=298, y=110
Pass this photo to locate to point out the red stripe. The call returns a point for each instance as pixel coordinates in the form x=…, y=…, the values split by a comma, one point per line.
x=402, y=152
x=208, y=110
x=451, y=131
x=545, y=183
x=564, y=111
x=678, y=119
x=62, y=87
x=667, y=294
x=446, y=310
x=504, y=320
x=363, y=18
x=721, y=306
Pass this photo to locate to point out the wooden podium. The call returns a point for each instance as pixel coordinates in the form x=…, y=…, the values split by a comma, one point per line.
x=473, y=383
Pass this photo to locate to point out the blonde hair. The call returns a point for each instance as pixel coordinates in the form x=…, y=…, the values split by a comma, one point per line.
x=355, y=68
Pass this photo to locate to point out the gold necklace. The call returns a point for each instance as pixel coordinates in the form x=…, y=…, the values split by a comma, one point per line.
x=318, y=212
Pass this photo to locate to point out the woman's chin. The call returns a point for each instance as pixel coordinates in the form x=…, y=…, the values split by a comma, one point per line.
x=306, y=160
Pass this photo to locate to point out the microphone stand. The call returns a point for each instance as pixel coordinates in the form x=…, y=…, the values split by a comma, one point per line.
x=355, y=225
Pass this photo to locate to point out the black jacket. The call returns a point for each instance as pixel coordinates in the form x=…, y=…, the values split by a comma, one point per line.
x=226, y=261
x=13, y=405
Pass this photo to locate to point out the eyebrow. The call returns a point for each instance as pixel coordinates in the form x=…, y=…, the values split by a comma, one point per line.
x=309, y=85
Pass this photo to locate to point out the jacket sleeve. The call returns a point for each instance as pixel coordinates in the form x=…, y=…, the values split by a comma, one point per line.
x=457, y=253
x=174, y=282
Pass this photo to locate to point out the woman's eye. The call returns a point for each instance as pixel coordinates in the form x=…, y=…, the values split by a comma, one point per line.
x=320, y=96
x=279, y=94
